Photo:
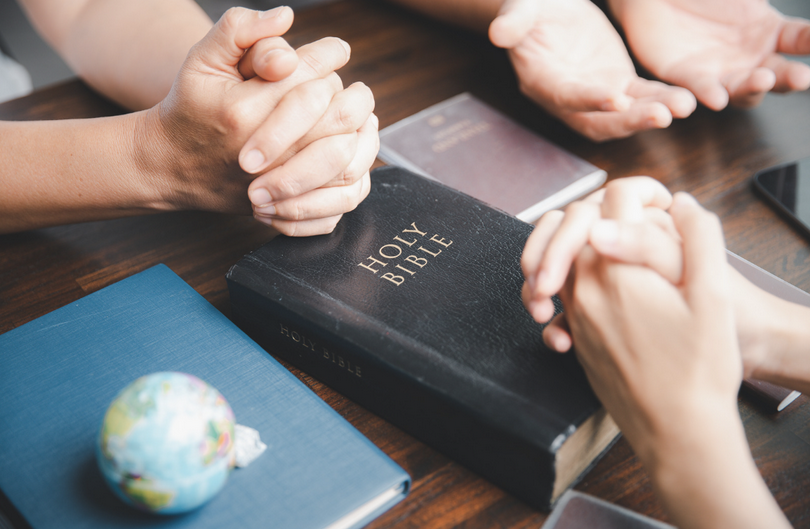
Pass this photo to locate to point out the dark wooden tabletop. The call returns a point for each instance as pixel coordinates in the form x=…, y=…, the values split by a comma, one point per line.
x=411, y=63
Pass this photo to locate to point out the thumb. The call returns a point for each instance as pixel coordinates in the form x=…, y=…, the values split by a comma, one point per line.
x=239, y=29
x=704, y=255
x=514, y=21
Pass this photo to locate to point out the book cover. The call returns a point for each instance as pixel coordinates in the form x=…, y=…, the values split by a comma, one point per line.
x=412, y=309
x=576, y=510
x=61, y=371
x=470, y=146
x=772, y=397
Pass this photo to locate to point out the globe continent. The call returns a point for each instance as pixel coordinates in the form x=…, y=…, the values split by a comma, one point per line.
x=167, y=443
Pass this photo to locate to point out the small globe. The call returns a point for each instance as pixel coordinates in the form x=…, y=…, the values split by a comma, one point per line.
x=167, y=443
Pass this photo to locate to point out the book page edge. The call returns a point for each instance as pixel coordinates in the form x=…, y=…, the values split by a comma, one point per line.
x=581, y=187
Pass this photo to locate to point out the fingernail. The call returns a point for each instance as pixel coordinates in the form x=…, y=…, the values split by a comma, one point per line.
x=260, y=197
x=252, y=161
x=273, y=53
x=272, y=13
x=264, y=220
x=605, y=232
x=265, y=210
x=346, y=47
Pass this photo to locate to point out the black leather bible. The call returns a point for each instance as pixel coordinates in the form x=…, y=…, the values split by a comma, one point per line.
x=412, y=309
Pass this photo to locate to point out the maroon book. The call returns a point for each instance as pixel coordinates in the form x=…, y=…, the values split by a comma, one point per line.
x=467, y=145
x=774, y=398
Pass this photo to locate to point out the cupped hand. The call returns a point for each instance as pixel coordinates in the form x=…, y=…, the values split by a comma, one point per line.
x=570, y=60
x=721, y=50
x=224, y=125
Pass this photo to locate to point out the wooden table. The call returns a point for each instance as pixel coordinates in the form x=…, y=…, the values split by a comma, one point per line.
x=411, y=63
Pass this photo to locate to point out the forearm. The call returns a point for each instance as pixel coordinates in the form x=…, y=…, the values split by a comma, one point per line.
x=57, y=172
x=471, y=14
x=706, y=477
x=129, y=51
x=784, y=345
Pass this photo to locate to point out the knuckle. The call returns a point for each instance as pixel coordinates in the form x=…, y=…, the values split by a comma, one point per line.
x=314, y=63
x=239, y=115
x=298, y=212
x=287, y=186
x=552, y=216
x=614, y=185
x=232, y=16
x=578, y=208
x=345, y=178
x=342, y=152
x=345, y=118
x=317, y=91
x=313, y=99
x=287, y=228
x=351, y=199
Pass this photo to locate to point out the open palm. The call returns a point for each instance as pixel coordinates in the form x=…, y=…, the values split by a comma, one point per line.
x=570, y=60
x=721, y=50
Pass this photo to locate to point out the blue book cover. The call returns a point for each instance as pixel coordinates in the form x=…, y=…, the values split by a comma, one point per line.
x=59, y=373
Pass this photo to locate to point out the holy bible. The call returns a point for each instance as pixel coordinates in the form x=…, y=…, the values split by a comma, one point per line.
x=411, y=307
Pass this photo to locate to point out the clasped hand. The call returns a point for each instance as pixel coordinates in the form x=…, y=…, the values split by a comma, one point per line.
x=251, y=126
x=627, y=222
x=647, y=297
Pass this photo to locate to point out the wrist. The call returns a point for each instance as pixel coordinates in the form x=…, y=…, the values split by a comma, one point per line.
x=780, y=353
x=706, y=477
x=701, y=425
x=156, y=167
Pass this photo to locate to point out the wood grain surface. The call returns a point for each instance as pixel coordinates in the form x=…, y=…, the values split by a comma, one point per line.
x=410, y=63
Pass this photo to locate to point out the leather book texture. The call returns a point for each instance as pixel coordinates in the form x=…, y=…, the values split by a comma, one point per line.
x=61, y=371
x=470, y=146
x=412, y=308
x=576, y=510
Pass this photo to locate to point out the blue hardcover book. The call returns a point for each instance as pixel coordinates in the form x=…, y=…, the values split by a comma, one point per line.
x=59, y=373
